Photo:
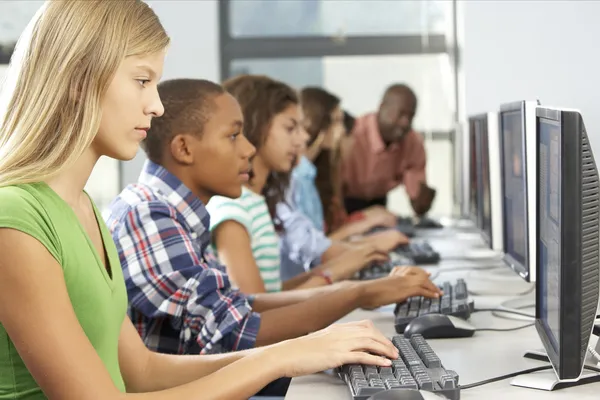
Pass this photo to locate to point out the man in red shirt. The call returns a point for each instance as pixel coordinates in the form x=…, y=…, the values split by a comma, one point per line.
x=382, y=152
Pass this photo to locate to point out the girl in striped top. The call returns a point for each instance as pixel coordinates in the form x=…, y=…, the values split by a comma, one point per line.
x=246, y=230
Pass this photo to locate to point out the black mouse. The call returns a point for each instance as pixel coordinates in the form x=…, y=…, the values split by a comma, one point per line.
x=404, y=394
x=439, y=326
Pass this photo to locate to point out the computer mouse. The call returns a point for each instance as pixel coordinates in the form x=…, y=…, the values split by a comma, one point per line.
x=405, y=394
x=439, y=326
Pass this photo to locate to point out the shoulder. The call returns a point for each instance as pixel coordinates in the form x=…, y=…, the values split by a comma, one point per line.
x=133, y=203
x=30, y=209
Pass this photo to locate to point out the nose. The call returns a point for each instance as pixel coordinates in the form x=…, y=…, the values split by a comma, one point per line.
x=155, y=106
x=248, y=149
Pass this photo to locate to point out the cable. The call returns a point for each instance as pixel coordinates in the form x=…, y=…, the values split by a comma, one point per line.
x=512, y=375
x=503, y=377
x=503, y=311
x=504, y=329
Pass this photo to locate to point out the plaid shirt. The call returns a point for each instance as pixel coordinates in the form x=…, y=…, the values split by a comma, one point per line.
x=180, y=298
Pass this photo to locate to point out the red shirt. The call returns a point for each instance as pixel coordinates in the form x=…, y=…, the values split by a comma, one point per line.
x=370, y=170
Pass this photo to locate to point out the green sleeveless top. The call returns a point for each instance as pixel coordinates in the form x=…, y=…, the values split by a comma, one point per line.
x=100, y=302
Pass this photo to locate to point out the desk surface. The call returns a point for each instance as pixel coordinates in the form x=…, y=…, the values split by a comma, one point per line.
x=483, y=356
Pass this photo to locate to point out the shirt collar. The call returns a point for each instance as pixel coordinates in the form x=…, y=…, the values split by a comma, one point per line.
x=305, y=169
x=376, y=142
x=179, y=196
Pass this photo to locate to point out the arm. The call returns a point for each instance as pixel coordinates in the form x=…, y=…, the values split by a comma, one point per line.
x=182, y=286
x=147, y=371
x=414, y=179
x=64, y=364
x=232, y=241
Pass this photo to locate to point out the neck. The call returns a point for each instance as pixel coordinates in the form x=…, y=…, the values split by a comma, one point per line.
x=180, y=172
x=69, y=184
x=260, y=174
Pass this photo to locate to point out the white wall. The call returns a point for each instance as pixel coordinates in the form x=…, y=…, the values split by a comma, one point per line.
x=547, y=50
x=194, y=52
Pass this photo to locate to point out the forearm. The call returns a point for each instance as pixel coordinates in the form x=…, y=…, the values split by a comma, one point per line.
x=165, y=371
x=351, y=229
x=270, y=301
x=308, y=316
x=231, y=382
x=337, y=248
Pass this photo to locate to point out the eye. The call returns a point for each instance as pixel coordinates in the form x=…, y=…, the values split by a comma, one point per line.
x=234, y=136
x=143, y=82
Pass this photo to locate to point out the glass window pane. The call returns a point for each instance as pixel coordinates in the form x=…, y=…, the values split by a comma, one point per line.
x=297, y=72
x=361, y=80
x=263, y=18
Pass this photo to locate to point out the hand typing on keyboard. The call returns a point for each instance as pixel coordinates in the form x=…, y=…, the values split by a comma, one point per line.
x=380, y=216
x=349, y=343
x=408, y=270
x=387, y=240
x=347, y=264
x=396, y=288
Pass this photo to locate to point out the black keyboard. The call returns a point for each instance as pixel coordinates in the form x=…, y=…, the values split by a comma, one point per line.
x=417, y=368
x=419, y=252
x=455, y=302
x=375, y=271
x=420, y=223
x=407, y=230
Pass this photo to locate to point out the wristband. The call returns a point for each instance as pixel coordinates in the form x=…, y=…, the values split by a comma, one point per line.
x=324, y=275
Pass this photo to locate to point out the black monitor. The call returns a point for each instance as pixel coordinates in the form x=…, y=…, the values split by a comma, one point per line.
x=484, y=192
x=474, y=129
x=517, y=158
x=567, y=240
x=479, y=202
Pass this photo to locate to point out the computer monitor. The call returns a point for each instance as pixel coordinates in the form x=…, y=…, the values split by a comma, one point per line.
x=497, y=220
x=518, y=175
x=568, y=240
x=483, y=191
x=460, y=149
x=484, y=185
x=476, y=125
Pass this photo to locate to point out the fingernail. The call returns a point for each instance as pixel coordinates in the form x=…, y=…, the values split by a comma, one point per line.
x=387, y=361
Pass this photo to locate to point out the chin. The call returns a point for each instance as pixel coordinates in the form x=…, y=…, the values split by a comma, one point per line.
x=233, y=193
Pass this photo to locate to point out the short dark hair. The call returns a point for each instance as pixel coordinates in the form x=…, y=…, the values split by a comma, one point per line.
x=317, y=106
x=188, y=104
x=261, y=99
x=400, y=89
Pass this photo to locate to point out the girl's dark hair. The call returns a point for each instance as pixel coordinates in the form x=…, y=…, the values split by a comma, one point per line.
x=348, y=122
x=317, y=106
x=261, y=99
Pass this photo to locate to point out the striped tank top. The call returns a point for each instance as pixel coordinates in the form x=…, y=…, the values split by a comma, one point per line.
x=251, y=211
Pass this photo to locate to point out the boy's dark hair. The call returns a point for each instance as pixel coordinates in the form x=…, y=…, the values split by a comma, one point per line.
x=188, y=104
x=317, y=106
x=261, y=99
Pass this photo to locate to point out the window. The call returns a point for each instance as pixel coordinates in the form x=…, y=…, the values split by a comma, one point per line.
x=269, y=18
x=361, y=80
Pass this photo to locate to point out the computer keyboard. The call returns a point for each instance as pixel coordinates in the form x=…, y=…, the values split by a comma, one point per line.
x=455, y=302
x=419, y=252
x=418, y=368
x=420, y=223
x=376, y=270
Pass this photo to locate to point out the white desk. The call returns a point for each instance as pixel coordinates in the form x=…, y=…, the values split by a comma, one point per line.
x=483, y=356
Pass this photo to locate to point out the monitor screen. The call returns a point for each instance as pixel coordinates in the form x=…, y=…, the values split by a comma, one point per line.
x=485, y=201
x=473, y=204
x=514, y=187
x=549, y=245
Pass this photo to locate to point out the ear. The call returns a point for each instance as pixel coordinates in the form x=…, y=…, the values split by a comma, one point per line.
x=182, y=148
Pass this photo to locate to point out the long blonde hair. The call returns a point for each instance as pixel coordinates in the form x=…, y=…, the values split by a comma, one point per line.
x=62, y=65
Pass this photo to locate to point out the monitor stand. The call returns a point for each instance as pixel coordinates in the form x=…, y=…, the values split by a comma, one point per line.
x=547, y=380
